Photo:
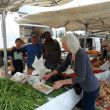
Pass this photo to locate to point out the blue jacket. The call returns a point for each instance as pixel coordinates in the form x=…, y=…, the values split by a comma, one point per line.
x=32, y=51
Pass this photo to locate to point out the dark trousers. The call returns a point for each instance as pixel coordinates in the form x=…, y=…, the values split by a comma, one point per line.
x=88, y=100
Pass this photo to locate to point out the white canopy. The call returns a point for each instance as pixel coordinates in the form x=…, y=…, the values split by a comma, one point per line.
x=14, y=5
x=94, y=16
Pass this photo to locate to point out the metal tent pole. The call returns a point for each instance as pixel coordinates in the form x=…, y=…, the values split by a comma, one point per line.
x=85, y=41
x=4, y=42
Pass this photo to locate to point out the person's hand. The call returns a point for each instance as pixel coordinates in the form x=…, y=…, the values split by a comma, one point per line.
x=58, y=84
x=46, y=77
x=49, y=75
x=11, y=68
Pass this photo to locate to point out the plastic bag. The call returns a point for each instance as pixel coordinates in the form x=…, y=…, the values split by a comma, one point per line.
x=40, y=69
x=38, y=63
x=17, y=76
x=33, y=80
x=69, y=71
x=103, y=75
x=105, y=66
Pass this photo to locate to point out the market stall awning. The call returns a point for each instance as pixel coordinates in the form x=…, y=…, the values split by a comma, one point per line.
x=101, y=22
x=14, y=5
x=96, y=16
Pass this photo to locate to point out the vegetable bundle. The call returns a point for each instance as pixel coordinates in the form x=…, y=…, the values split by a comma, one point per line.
x=17, y=96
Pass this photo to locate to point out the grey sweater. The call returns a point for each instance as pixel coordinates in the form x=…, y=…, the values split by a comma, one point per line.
x=82, y=67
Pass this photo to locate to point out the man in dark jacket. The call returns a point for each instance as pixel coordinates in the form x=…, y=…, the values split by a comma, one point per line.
x=51, y=52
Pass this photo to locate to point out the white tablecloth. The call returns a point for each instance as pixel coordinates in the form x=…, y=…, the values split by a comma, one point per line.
x=65, y=101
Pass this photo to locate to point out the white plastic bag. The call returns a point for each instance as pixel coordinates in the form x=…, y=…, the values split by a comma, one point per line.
x=103, y=75
x=38, y=63
x=33, y=80
x=17, y=76
x=105, y=66
x=69, y=71
x=35, y=72
x=40, y=69
x=25, y=79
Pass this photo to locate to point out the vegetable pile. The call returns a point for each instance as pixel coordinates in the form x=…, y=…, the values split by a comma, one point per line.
x=17, y=96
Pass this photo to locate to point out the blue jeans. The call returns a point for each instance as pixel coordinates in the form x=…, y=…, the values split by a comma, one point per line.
x=88, y=100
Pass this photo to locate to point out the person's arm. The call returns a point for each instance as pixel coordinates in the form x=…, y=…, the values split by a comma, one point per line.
x=60, y=83
x=24, y=47
x=59, y=69
x=47, y=76
x=64, y=64
x=40, y=50
x=59, y=51
x=44, y=51
x=103, y=55
x=11, y=60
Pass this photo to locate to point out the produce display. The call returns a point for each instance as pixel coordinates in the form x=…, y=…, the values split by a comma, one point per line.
x=18, y=96
x=93, y=52
x=104, y=94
